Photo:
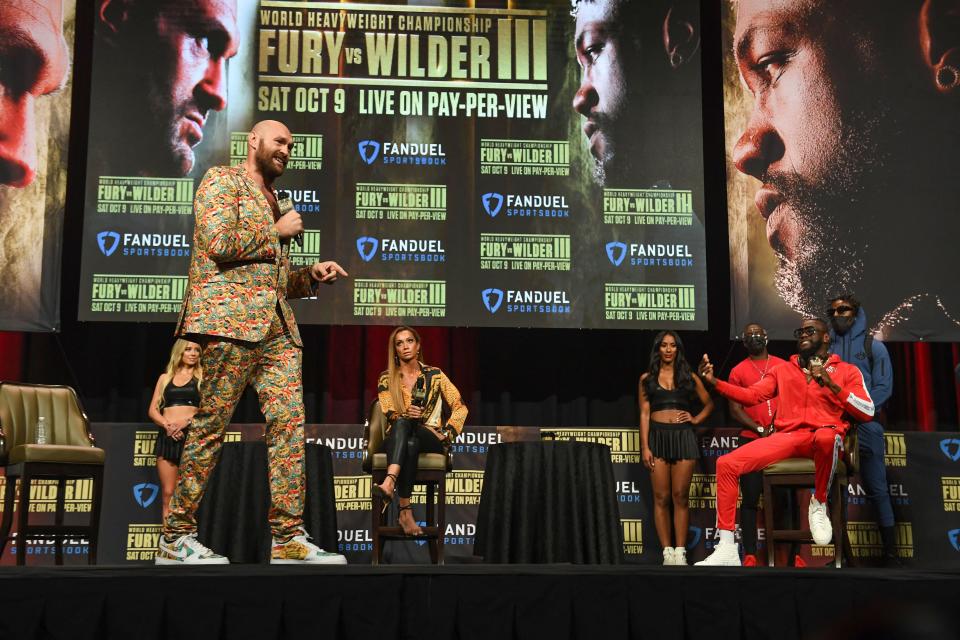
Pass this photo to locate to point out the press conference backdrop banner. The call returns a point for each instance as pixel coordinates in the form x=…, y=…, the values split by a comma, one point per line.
x=35, y=89
x=467, y=166
x=836, y=182
x=923, y=470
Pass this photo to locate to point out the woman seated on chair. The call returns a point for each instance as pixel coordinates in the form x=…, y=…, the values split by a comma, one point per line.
x=411, y=396
x=176, y=399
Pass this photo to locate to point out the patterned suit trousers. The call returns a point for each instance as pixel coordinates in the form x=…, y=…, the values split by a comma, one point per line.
x=273, y=367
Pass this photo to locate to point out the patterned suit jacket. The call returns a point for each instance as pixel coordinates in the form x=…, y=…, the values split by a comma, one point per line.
x=238, y=270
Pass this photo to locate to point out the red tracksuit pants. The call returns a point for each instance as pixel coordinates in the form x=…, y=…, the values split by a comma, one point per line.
x=823, y=445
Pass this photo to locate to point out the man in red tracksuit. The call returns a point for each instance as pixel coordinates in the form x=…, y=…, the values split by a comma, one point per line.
x=815, y=390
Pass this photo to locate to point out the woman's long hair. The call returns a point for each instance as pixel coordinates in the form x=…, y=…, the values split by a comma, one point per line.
x=175, y=362
x=393, y=365
x=682, y=374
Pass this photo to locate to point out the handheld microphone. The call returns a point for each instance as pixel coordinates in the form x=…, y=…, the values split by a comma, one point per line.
x=419, y=394
x=817, y=361
x=285, y=204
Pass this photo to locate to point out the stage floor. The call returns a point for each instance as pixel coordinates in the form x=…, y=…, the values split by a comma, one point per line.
x=499, y=602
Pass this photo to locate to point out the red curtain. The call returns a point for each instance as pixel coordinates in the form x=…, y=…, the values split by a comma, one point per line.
x=11, y=355
x=926, y=413
x=352, y=380
x=925, y=392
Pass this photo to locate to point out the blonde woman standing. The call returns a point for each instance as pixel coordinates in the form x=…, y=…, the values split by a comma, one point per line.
x=174, y=403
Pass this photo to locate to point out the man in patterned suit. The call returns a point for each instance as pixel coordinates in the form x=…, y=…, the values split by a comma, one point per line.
x=236, y=308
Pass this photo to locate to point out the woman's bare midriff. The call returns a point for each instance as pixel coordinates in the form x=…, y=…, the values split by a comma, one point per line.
x=179, y=412
x=665, y=415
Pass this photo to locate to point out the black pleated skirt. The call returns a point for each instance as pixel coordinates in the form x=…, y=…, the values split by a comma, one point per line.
x=672, y=442
x=168, y=448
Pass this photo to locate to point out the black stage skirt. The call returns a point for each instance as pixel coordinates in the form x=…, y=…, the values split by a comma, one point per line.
x=672, y=442
x=168, y=448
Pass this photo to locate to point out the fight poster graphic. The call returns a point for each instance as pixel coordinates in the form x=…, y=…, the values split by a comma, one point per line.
x=492, y=166
x=838, y=120
x=36, y=82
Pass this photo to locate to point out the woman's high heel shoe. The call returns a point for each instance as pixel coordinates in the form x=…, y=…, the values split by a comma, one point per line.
x=409, y=507
x=381, y=493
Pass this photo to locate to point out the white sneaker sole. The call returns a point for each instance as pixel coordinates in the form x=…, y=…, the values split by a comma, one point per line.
x=183, y=563
x=333, y=561
x=728, y=563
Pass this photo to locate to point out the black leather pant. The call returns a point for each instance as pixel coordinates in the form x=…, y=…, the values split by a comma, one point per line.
x=406, y=441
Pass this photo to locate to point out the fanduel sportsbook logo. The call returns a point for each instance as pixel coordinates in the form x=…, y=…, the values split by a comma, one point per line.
x=951, y=448
x=695, y=534
x=492, y=299
x=367, y=247
x=369, y=150
x=492, y=203
x=616, y=252
x=145, y=493
x=108, y=241
x=954, y=536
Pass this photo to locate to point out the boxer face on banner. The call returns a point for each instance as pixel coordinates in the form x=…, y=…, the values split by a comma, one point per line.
x=844, y=96
x=618, y=43
x=181, y=47
x=602, y=96
x=33, y=62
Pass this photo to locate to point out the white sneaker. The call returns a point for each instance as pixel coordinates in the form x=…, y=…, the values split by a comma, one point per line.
x=299, y=550
x=820, y=527
x=186, y=550
x=725, y=554
x=680, y=556
x=667, y=556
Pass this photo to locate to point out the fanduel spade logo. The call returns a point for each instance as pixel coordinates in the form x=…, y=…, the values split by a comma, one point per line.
x=367, y=247
x=369, y=150
x=108, y=241
x=492, y=299
x=695, y=534
x=616, y=251
x=954, y=536
x=951, y=448
x=145, y=493
x=492, y=203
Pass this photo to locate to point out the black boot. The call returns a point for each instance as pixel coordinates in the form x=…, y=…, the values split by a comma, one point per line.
x=890, y=558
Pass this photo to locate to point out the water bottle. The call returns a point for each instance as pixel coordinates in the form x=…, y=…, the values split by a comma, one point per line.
x=41, y=430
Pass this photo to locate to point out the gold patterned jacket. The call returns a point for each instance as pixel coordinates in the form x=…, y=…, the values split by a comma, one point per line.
x=239, y=272
x=438, y=387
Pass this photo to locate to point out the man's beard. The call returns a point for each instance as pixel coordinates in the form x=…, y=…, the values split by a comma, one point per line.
x=268, y=169
x=831, y=252
x=169, y=155
x=809, y=351
x=614, y=167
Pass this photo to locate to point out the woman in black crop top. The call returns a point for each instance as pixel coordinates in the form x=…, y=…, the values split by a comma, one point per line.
x=174, y=403
x=670, y=449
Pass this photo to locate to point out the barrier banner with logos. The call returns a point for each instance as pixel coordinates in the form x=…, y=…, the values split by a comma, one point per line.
x=923, y=473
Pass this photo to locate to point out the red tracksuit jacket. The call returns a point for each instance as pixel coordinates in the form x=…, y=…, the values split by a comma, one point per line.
x=805, y=405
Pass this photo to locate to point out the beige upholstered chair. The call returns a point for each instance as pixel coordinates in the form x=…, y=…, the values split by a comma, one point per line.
x=432, y=471
x=68, y=454
x=798, y=473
